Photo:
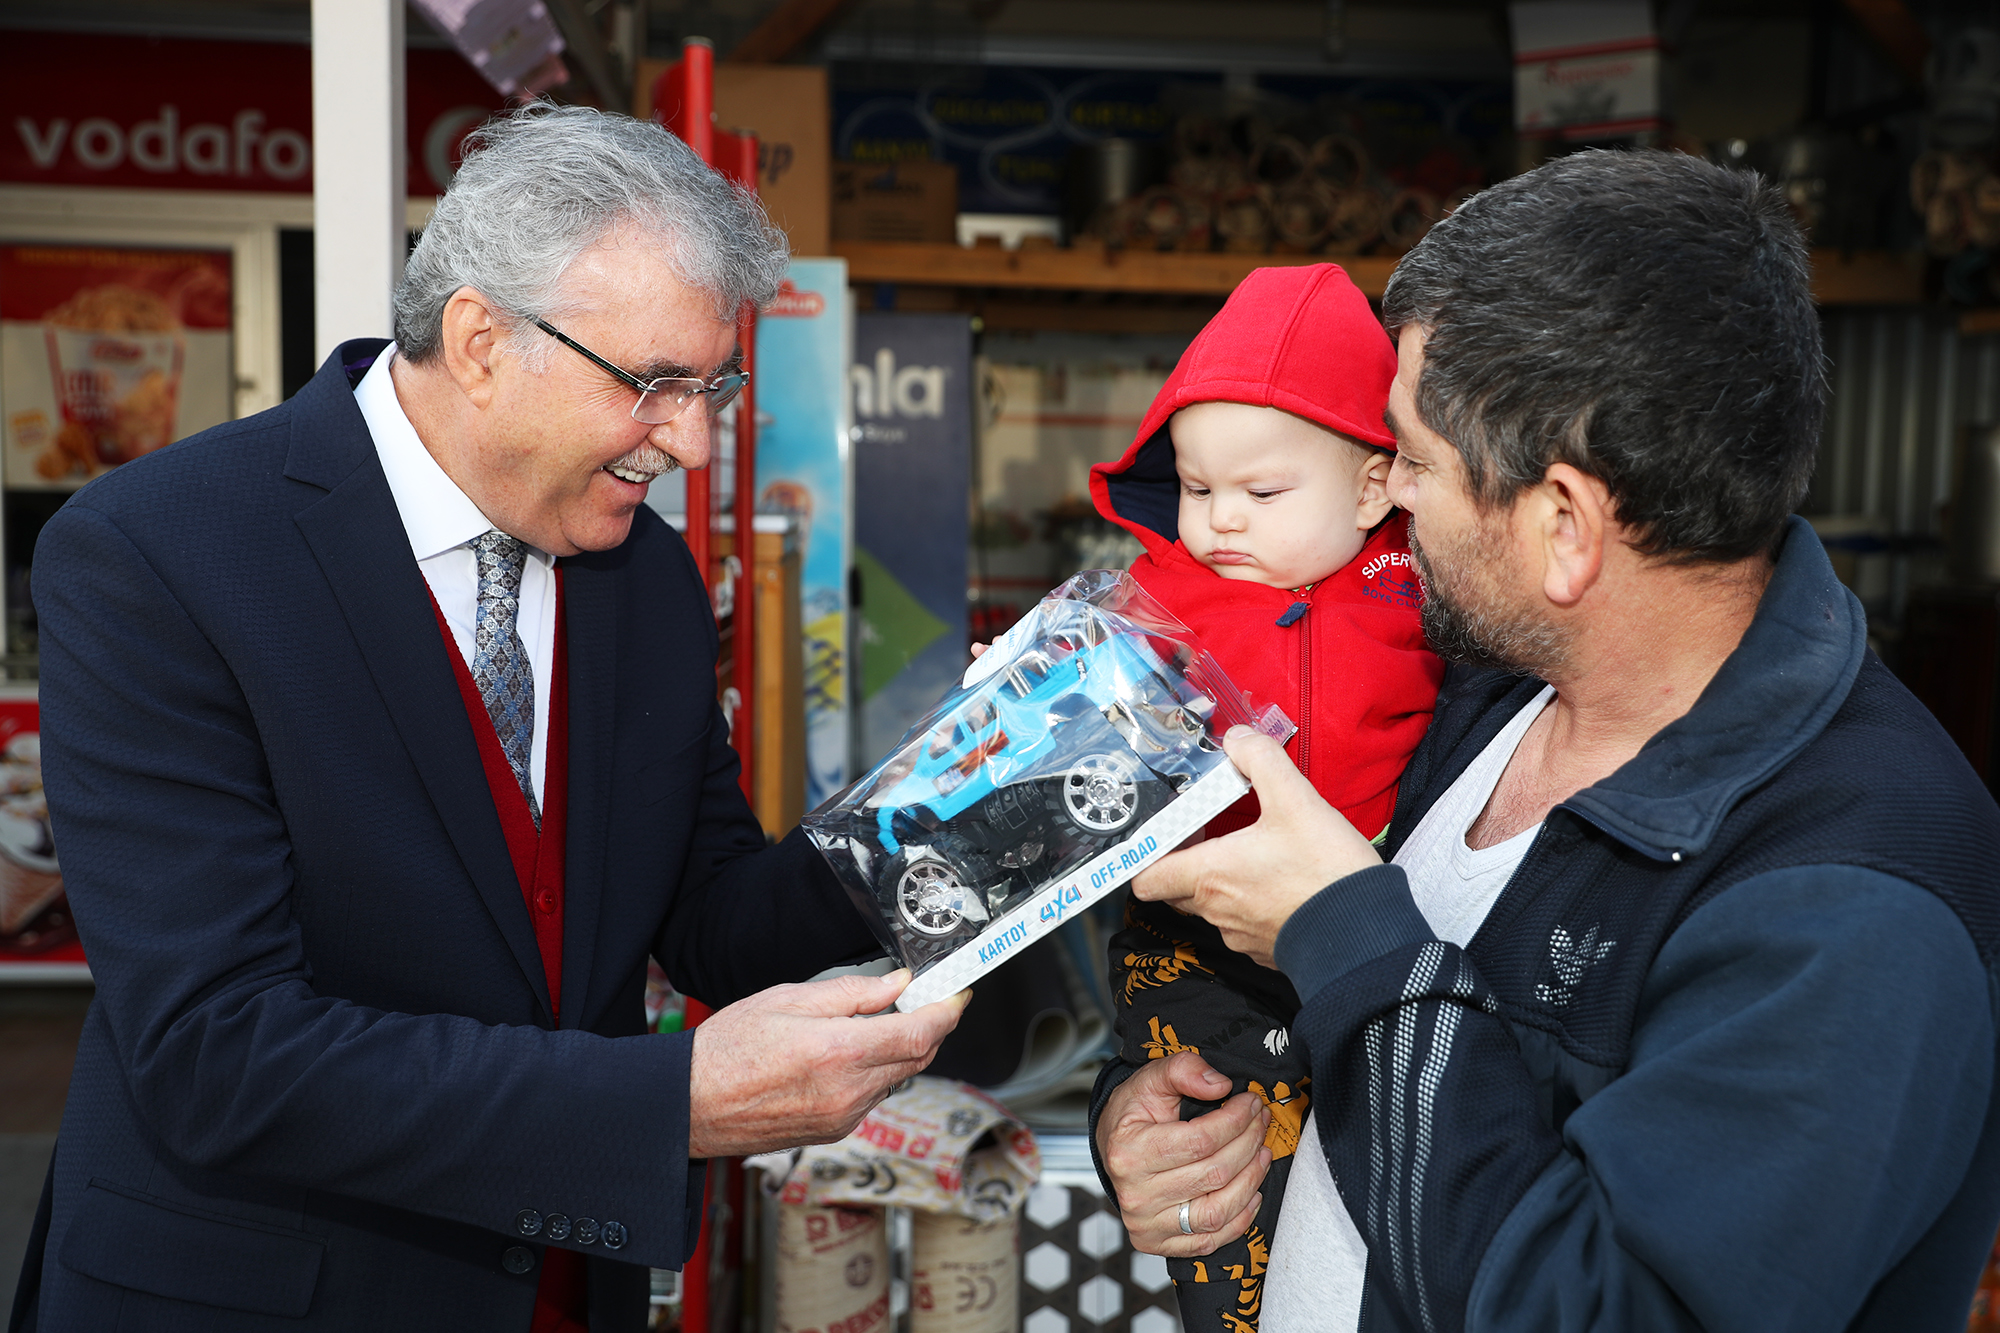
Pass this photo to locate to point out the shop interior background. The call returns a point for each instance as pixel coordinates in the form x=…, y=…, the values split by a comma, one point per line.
x=1009, y=217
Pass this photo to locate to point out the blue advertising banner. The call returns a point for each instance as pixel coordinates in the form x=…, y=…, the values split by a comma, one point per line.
x=804, y=469
x=911, y=392
x=1010, y=129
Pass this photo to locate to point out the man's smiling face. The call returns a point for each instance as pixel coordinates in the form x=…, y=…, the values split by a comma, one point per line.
x=562, y=463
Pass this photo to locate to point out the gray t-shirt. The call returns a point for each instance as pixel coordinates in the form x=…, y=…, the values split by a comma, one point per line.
x=1318, y=1257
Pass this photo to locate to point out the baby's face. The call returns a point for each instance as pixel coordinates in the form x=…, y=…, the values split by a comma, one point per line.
x=1268, y=497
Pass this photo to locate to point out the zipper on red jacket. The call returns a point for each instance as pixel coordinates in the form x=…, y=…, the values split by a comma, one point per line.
x=1293, y=615
x=1305, y=699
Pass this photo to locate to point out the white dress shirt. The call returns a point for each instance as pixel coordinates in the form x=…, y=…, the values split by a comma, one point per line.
x=440, y=520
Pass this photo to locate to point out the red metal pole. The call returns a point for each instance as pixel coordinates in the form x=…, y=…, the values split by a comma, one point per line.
x=669, y=91
x=685, y=98
x=693, y=119
x=697, y=125
x=739, y=163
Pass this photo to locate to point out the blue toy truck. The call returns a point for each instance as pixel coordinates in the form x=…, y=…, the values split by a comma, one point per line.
x=1065, y=750
x=1077, y=727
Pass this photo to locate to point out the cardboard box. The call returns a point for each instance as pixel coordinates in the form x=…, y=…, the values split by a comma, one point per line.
x=1585, y=70
x=786, y=107
x=895, y=201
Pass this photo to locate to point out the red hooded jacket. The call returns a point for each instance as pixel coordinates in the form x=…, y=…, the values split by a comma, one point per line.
x=1352, y=670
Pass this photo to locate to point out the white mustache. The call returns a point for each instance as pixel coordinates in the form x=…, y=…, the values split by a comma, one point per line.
x=647, y=458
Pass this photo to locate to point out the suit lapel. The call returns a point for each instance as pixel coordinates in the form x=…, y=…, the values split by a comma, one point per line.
x=358, y=539
x=590, y=606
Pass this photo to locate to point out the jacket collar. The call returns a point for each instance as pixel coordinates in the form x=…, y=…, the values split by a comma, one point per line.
x=329, y=437
x=1773, y=696
x=358, y=538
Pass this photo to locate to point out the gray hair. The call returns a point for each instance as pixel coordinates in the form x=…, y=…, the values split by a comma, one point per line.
x=1644, y=316
x=543, y=183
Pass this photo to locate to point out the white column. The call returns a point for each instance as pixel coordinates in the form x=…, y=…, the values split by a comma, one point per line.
x=359, y=173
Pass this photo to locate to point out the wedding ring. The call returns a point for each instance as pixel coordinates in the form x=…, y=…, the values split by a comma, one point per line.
x=1187, y=1226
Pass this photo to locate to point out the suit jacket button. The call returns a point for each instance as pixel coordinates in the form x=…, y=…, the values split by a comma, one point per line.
x=558, y=1226
x=586, y=1231
x=528, y=1222
x=518, y=1259
x=614, y=1235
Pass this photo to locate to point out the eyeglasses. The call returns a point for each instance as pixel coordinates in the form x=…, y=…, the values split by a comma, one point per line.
x=666, y=398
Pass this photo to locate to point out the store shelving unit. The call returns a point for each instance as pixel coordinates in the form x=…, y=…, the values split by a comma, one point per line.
x=1839, y=277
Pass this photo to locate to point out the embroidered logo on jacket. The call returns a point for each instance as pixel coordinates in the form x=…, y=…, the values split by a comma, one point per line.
x=1571, y=959
x=1391, y=577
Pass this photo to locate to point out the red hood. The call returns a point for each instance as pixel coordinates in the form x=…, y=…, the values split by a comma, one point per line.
x=1301, y=338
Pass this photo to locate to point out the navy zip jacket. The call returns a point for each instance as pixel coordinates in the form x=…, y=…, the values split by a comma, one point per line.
x=1721, y=1056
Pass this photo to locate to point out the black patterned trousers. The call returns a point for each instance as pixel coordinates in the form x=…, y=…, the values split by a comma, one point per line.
x=1176, y=987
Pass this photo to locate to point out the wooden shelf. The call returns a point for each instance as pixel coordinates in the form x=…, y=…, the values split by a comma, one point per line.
x=1859, y=278
x=1086, y=267
x=1867, y=277
x=1975, y=322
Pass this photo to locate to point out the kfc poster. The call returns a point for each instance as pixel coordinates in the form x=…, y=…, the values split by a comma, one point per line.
x=107, y=353
x=37, y=936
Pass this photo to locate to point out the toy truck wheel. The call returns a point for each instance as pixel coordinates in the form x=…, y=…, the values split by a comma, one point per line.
x=1104, y=795
x=933, y=893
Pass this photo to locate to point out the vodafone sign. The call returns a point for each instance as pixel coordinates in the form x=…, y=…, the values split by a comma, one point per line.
x=194, y=115
x=162, y=146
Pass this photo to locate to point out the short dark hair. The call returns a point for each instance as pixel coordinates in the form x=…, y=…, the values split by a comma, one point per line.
x=1644, y=316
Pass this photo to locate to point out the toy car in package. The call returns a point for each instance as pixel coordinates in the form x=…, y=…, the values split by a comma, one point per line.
x=1082, y=745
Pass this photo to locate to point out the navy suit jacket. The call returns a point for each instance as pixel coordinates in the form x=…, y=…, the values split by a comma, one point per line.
x=320, y=1083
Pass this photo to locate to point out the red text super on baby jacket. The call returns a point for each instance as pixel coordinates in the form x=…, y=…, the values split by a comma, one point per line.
x=1352, y=671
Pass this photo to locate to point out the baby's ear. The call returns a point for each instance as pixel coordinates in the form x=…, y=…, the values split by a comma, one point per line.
x=1372, y=503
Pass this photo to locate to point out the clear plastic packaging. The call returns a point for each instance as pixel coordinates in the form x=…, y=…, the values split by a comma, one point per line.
x=1081, y=745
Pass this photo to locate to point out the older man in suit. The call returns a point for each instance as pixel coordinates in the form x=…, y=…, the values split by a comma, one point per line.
x=383, y=751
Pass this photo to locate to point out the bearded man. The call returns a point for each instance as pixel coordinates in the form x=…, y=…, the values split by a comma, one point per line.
x=1670, y=1001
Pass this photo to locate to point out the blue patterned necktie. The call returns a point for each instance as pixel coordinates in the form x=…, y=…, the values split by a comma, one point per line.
x=500, y=666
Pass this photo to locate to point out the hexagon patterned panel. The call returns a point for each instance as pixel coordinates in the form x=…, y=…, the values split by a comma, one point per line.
x=1079, y=1274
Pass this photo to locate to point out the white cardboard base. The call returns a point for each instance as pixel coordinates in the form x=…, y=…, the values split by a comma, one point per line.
x=1206, y=798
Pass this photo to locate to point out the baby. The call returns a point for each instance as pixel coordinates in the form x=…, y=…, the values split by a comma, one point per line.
x=1258, y=484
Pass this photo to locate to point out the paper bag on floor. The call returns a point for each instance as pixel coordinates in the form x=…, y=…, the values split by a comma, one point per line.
x=916, y=1150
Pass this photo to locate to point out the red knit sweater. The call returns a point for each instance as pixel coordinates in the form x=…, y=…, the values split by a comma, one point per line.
x=562, y=1299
